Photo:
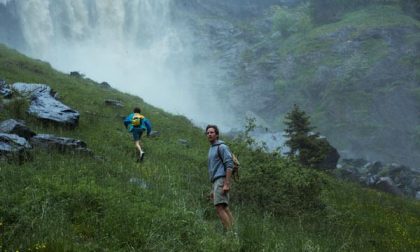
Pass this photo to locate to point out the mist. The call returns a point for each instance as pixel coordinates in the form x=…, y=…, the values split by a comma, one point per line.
x=133, y=45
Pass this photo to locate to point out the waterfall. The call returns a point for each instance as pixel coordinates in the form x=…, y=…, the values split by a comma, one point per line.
x=132, y=44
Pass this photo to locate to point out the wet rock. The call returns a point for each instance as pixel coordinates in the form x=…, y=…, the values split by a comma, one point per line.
x=114, y=103
x=62, y=144
x=387, y=185
x=13, y=147
x=154, y=133
x=5, y=90
x=45, y=107
x=18, y=127
x=184, y=142
x=392, y=178
x=331, y=159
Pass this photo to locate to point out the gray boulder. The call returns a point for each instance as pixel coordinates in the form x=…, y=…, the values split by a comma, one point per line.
x=45, y=106
x=154, y=134
x=18, y=127
x=5, y=90
x=386, y=184
x=114, y=103
x=62, y=144
x=13, y=147
x=184, y=142
x=331, y=159
x=139, y=182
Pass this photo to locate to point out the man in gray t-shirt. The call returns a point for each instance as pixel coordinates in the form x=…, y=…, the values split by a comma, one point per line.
x=220, y=166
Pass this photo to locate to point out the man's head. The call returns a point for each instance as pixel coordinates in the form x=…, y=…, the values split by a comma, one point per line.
x=212, y=133
x=137, y=110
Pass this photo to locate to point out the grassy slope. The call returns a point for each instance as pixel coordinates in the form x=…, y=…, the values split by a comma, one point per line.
x=61, y=202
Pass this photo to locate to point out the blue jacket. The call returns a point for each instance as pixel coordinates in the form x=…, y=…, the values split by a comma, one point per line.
x=145, y=124
x=216, y=166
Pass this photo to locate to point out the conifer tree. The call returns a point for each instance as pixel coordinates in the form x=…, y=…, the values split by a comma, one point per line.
x=303, y=143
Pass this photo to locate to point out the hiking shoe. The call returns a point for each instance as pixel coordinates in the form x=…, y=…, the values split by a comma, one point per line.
x=141, y=156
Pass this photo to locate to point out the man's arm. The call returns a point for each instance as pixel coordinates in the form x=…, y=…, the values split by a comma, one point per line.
x=226, y=184
x=228, y=162
x=127, y=120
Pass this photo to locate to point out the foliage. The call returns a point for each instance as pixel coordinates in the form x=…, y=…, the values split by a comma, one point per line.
x=305, y=145
x=278, y=186
x=325, y=11
x=290, y=21
x=273, y=184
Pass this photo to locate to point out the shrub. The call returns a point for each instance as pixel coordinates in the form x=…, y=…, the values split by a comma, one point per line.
x=289, y=21
x=279, y=186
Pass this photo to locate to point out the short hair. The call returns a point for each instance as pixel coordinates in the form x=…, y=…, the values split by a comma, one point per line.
x=137, y=110
x=216, y=129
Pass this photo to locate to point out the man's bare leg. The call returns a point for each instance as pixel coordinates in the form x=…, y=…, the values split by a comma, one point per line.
x=225, y=216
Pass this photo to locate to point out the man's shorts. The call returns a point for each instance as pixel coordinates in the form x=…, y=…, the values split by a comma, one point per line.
x=137, y=132
x=219, y=196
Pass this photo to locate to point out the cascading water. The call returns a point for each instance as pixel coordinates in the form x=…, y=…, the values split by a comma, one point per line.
x=132, y=44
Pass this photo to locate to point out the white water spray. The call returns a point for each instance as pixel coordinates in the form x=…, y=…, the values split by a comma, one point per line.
x=132, y=44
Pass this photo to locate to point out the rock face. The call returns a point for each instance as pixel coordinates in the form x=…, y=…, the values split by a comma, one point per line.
x=331, y=157
x=114, y=103
x=45, y=106
x=335, y=75
x=19, y=128
x=391, y=178
x=5, y=90
x=62, y=144
x=13, y=147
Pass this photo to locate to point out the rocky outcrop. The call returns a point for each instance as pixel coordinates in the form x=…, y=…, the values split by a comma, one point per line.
x=13, y=147
x=114, y=103
x=62, y=144
x=391, y=178
x=331, y=157
x=45, y=106
x=17, y=127
x=5, y=90
x=16, y=139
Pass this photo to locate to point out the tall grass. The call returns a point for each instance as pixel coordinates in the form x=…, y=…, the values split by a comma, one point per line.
x=109, y=202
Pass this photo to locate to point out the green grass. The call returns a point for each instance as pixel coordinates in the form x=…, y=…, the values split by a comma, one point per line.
x=63, y=202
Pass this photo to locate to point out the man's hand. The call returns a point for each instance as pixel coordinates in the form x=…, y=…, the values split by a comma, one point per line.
x=211, y=196
x=226, y=188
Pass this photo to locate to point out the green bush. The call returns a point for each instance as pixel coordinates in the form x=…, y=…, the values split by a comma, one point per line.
x=289, y=21
x=279, y=186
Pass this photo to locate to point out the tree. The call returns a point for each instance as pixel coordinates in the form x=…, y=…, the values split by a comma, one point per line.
x=308, y=147
x=298, y=129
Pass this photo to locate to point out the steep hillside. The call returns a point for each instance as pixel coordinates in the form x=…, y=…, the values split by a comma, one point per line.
x=108, y=202
x=356, y=72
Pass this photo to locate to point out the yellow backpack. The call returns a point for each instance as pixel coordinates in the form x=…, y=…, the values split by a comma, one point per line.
x=137, y=119
x=235, y=172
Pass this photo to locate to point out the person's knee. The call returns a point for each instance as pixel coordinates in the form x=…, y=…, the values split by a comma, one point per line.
x=221, y=208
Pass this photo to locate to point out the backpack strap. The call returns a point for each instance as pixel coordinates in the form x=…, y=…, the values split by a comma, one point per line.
x=220, y=157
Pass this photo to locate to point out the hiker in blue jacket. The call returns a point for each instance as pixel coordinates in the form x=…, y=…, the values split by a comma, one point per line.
x=220, y=167
x=136, y=123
